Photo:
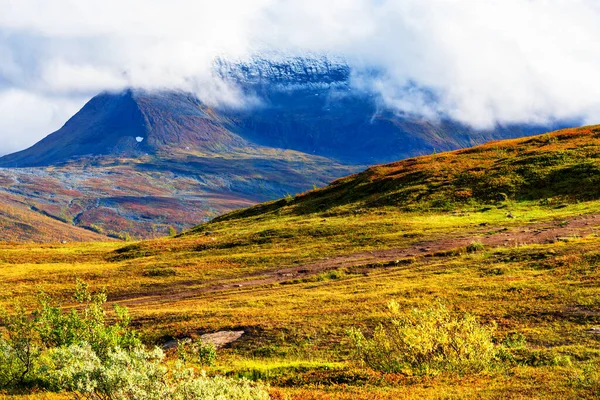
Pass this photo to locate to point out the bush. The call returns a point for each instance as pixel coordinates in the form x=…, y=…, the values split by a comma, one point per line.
x=28, y=335
x=18, y=350
x=207, y=353
x=588, y=377
x=139, y=374
x=426, y=342
x=79, y=352
x=475, y=247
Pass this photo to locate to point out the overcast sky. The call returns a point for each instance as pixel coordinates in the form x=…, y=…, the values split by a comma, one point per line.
x=488, y=61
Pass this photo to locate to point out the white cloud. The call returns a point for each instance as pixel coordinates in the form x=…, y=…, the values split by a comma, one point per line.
x=486, y=62
x=26, y=117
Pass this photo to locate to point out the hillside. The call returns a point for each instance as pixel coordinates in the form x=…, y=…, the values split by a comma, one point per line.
x=18, y=223
x=297, y=274
x=554, y=168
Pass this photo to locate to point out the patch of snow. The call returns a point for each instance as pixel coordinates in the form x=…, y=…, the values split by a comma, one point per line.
x=139, y=139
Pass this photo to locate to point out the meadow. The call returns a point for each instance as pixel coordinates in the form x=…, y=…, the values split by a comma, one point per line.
x=297, y=274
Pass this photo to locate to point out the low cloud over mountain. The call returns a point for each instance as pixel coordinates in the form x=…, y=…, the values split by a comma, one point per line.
x=433, y=58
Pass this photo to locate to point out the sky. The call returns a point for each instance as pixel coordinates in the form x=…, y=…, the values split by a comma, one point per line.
x=486, y=62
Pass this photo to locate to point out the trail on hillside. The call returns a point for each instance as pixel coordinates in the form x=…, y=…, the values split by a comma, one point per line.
x=537, y=233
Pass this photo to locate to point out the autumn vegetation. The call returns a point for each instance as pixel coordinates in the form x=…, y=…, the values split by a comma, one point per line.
x=456, y=275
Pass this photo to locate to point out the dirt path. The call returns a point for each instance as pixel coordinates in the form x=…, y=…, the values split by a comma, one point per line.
x=546, y=232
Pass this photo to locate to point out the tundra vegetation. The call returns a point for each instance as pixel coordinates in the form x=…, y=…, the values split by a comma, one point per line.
x=468, y=274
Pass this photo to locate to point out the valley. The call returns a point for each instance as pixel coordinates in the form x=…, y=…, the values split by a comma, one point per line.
x=507, y=232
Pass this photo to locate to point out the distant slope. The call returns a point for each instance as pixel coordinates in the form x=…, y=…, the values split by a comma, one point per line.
x=561, y=166
x=18, y=223
x=147, y=196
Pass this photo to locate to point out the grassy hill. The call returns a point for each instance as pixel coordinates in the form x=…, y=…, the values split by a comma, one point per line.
x=506, y=232
x=554, y=167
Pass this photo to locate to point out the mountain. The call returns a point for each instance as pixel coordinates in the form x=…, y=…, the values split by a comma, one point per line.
x=319, y=105
x=131, y=124
x=142, y=164
x=309, y=105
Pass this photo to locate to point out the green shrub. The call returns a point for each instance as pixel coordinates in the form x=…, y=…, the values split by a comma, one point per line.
x=207, y=353
x=475, y=247
x=515, y=340
x=18, y=349
x=138, y=374
x=77, y=351
x=27, y=336
x=426, y=342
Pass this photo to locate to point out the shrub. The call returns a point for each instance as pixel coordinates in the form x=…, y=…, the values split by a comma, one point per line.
x=588, y=377
x=56, y=328
x=426, y=342
x=514, y=340
x=18, y=350
x=139, y=374
x=207, y=353
x=474, y=247
x=79, y=352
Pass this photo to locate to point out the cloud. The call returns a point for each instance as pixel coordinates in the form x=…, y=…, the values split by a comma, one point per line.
x=480, y=62
x=28, y=117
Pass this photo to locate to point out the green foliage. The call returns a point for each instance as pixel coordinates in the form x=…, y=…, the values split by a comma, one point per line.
x=588, y=378
x=207, y=353
x=515, y=340
x=18, y=349
x=138, y=374
x=28, y=335
x=426, y=342
x=475, y=247
x=57, y=328
x=204, y=352
x=172, y=231
x=79, y=352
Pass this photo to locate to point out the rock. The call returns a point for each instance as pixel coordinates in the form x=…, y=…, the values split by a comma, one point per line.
x=172, y=343
x=594, y=330
x=222, y=338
